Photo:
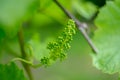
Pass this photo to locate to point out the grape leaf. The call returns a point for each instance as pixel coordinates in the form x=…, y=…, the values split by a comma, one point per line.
x=2, y=35
x=45, y=4
x=107, y=38
x=38, y=49
x=13, y=13
x=11, y=72
x=85, y=9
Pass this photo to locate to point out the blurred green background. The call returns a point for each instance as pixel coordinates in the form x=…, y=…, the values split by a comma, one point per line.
x=48, y=22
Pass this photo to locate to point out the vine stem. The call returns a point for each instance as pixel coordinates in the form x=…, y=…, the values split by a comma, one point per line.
x=22, y=60
x=81, y=26
x=27, y=62
x=23, y=53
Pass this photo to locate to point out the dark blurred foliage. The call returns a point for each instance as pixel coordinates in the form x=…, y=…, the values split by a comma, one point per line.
x=99, y=3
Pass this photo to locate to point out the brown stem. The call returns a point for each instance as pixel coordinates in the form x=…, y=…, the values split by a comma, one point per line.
x=80, y=26
x=24, y=55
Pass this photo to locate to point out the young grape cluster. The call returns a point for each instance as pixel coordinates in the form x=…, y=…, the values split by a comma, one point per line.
x=58, y=48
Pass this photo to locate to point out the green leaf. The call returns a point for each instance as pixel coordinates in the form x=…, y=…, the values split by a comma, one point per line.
x=107, y=38
x=11, y=72
x=14, y=12
x=85, y=9
x=35, y=48
x=45, y=4
x=2, y=35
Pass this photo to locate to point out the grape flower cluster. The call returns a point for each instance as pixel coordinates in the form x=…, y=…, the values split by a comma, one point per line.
x=59, y=47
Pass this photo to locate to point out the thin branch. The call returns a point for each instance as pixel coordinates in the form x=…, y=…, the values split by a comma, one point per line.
x=37, y=65
x=24, y=55
x=27, y=62
x=80, y=26
x=22, y=60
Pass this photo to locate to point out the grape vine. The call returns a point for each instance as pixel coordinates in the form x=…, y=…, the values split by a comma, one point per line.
x=27, y=26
